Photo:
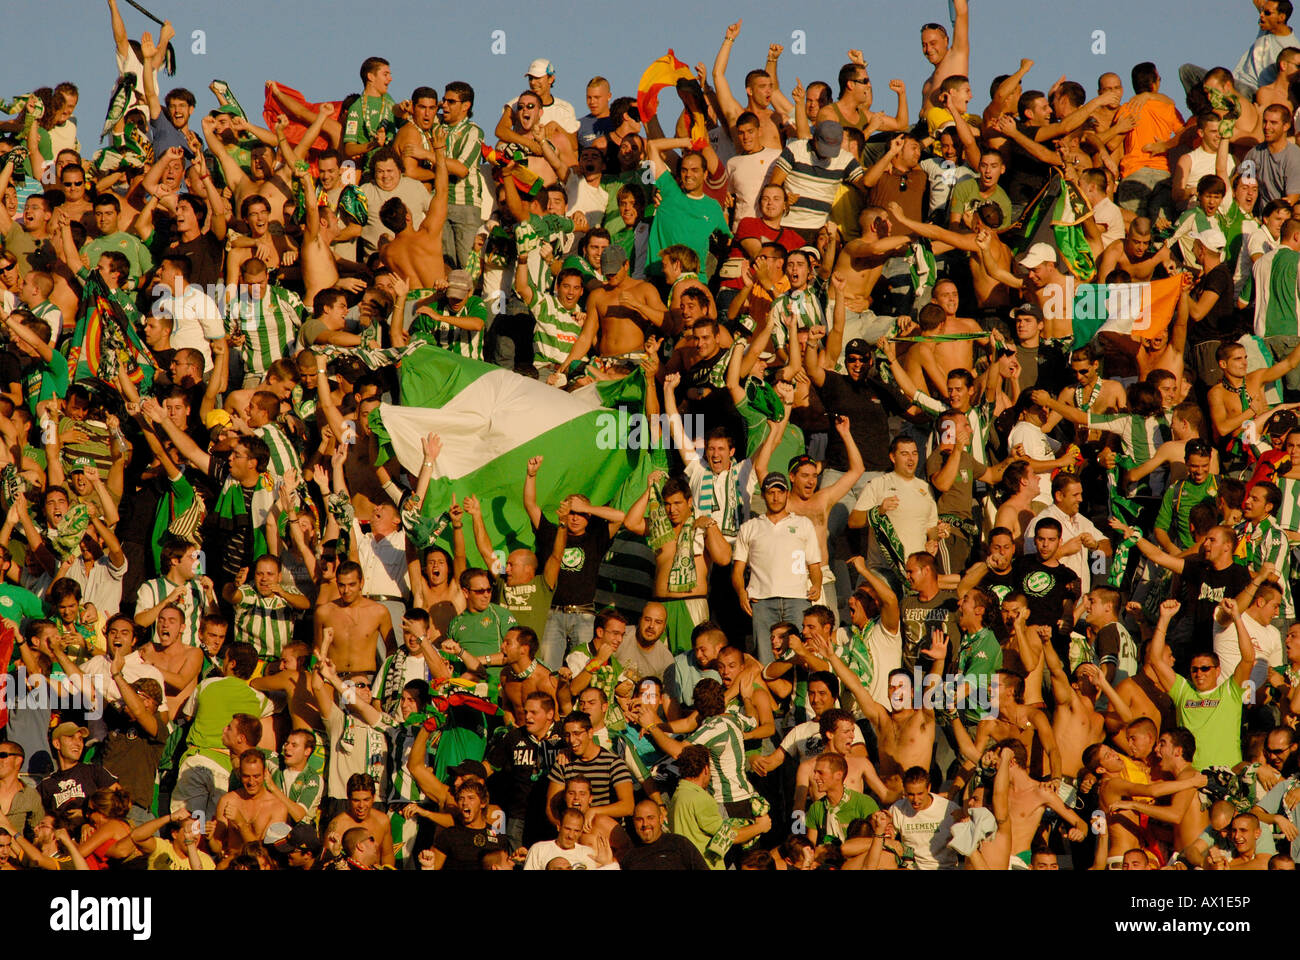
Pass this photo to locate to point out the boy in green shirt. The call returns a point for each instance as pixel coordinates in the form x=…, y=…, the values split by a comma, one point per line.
x=46, y=373
x=830, y=815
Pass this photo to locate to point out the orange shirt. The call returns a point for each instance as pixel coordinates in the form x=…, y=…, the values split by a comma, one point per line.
x=1157, y=120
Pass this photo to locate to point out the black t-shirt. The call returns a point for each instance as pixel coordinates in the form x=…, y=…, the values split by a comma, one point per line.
x=919, y=617
x=465, y=846
x=1046, y=588
x=1221, y=323
x=205, y=252
x=1201, y=589
x=576, y=583
x=523, y=763
x=1027, y=175
x=1001, y=585
x=867, y=403
x=11, y=370
x=669, y=852
x=132, y=755
x=66, y=789
x=234, y=533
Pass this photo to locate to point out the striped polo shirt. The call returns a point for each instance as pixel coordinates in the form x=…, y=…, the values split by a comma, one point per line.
x=464, y=143
x=814, y=181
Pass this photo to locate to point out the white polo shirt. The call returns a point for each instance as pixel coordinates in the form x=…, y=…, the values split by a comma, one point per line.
x=1081, y=561
x=916, y=512
x=196, y=320
x=778, y=555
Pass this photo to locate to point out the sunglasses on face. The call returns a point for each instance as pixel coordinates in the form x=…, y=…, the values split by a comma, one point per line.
x=4, y=755
x=1201, y=669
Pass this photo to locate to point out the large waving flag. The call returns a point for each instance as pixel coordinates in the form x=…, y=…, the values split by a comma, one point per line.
x=492, y=421
x=1055, y=217
x=1138, y=310
x=668, y=71
x=104, y=340
x=294, y=133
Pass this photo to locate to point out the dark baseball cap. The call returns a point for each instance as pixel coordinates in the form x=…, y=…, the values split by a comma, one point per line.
x=857, y=348
x=301, y=836
x=468, y=768
x=828, y=139
x=776, y=480
x=612, y=259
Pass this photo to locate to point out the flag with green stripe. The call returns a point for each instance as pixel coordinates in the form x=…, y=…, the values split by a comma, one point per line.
x=1055, y=217
x=492, y=421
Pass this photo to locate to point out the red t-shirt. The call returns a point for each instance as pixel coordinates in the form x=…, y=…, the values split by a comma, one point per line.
x=754, y=228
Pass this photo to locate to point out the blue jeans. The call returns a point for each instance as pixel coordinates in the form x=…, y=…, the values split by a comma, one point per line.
x=768, y=613
x=138, y=815
x=458, y=232
x=565, y=631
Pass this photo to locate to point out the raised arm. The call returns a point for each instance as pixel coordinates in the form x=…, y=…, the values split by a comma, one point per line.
x=1156, y=648
x=731, y=108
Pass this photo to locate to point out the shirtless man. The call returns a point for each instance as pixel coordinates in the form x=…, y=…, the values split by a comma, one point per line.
x=361, y=812
x=522, y=675
x=1090, y=393
x=1236, y=422
x=853, y=108
x=321, y=228
x=1132, y=254
x=838, y=729
x=760, y=89
x=948, y=59
x=244, y=814
x=293, y=682
x=178, y=663
x=1043, y=285
x=1165, y=351
x=1143, y=696
x=262, y=180
x=990, y=293
x=416, y=255
x=1076, y=723
x=1027, y=800
x=1247, y=127
x=414, y=141
x=1244, y=835
x=860, y=264
x=930, y=363
x=1183, y=811
x=349, y=629
x=1013, y=721
x=614, y=324
x=1017, y=512
x=1279, y=91
x=905, y=733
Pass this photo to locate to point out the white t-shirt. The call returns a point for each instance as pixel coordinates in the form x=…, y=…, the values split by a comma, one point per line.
x=102, y=586
x=1265, y=637
x=928, y=832
x=747, y=173
x=410, y=192
x=723, y=491
x=133, y=668
x=1108, y=217
x=540, y=854
x=196, y=320
x=886, y=655
x=916, y=511
x=1202, y=163
x=778, y=555
x=583, y=196
x=1038, y=446
x=805, y=740
x=1071, y=527
x=560, y=112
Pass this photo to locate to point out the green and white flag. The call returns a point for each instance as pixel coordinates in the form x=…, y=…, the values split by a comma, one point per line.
x=492, y=421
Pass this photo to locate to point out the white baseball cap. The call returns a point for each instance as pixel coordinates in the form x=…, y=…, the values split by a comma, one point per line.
x=1211, y=238
x=1037, y=255
x=540, y=68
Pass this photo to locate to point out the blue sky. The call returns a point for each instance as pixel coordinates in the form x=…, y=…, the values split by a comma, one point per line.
x=317, y=46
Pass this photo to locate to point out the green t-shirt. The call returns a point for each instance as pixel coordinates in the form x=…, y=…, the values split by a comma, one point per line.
x=45, y=380
x=481, y=633
x=694, y=814
x=529, y=603
x=217, y=700
x=1176, y=507
x=683, y=219
x=170, y=506
x=852, y=806
x=17, y=604
x=980, y=656
x=966, y=195
x=1214, y=718
x=365, y=118
x=127, y=244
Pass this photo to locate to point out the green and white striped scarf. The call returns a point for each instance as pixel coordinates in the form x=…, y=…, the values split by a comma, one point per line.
x=709, y=498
